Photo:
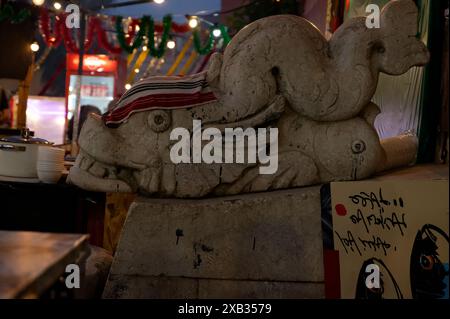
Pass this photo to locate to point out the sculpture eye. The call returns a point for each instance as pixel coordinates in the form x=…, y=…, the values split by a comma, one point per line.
x=358, y=147
x=378, y=47
x=159, y=121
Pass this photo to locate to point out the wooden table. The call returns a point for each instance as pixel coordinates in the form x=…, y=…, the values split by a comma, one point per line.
x=31, y=262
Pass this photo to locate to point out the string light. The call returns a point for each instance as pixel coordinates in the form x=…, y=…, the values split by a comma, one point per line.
x=217, y=33
x=144, y=48
x=171, y=44
x=57, y=5
x=34, y=46
x=38, y=2
x=193, y=22
x=136, y=70
x=127, y=86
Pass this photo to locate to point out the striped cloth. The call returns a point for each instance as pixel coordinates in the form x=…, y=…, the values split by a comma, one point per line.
x=161, y=92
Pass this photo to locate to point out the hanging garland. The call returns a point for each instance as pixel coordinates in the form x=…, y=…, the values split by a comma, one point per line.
x=60, y=32
x=103, y=39
x=129, y=40
x=210, y=42
x=225, y=36
x=7, y=13
x=52, y=40
x=126, y=44
x=70, y=44
x=198, y=45
x=167, y=24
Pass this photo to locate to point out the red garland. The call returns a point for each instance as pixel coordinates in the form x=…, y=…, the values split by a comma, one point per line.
x=44, y=25
x=131, y=32
x=69, y=43
x=94, y=25
x=102, y=38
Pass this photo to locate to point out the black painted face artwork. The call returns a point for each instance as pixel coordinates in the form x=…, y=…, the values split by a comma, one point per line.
x=429, y=274
x=386, y=280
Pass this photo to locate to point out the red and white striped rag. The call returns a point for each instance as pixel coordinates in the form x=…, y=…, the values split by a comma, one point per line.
x=161, y=92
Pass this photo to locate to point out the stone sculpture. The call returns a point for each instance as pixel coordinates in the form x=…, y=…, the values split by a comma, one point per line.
x=277, y=72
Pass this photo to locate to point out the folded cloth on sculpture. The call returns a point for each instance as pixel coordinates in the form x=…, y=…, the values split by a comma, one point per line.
x=161, y=92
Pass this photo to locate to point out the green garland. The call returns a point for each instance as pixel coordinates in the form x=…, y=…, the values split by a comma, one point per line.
x=138, y=38
x=210, y=42
x=167, y=25
x=7, y=12
x=198, y=46
x=225, y=36
x=147, y=26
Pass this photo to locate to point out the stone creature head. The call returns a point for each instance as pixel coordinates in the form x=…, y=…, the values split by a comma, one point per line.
x=398, y=47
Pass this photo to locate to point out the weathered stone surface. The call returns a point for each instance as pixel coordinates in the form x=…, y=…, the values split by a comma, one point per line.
x=144, y=287
x=137, y=287
x=259, y=289
x=279, y=71
x=262, y=237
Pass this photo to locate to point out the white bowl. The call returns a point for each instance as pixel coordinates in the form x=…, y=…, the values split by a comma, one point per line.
x=50, y=164
x=50, y=167
x=50, y=170
x=51, y=159
x=48, y=153
x=48, y=176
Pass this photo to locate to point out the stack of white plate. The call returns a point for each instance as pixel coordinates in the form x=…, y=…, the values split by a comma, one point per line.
x=50, y=164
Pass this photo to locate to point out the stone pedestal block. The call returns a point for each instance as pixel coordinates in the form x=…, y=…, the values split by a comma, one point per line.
x=261, y=245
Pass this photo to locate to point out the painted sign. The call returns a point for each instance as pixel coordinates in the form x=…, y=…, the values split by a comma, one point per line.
x=390, y=239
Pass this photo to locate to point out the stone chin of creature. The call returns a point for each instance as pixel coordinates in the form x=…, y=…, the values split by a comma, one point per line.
x=281, y=72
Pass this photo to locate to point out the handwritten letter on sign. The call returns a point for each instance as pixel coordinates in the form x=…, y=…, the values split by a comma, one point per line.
x=399, y=229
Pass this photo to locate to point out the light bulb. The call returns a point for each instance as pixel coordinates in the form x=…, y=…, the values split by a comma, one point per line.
x=136, y=70
x=193, y=22
x=34, y=47
x=158, y=1
x=38, y=2
x=57, y=5
x=127, y=86
x=171, y=44
x=144, y=48
x=217, y=33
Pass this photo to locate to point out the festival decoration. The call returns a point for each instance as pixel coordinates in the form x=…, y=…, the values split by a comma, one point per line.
x=192, y=57
x=7, y=13
x=180, y=57
x=167, y=23
x=210, y=42
x=125, y=42
x=134, y=37
x=134, y=70
x=50, y=39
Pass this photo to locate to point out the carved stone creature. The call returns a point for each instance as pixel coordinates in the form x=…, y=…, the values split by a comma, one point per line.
x=281, y=72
